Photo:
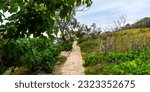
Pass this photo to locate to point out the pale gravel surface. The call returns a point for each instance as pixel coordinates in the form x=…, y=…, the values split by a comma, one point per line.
x=73, y=65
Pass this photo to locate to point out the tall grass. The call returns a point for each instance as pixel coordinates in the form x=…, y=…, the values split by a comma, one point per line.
x=117, y=50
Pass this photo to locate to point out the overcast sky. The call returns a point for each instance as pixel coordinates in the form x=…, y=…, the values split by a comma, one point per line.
x=103, y=12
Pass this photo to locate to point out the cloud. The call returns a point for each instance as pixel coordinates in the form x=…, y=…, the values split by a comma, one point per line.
x=104, y=12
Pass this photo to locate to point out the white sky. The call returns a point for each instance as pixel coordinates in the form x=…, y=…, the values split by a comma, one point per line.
x=103, y=12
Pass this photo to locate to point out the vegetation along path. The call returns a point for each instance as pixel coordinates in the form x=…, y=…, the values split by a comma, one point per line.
x=73, y=65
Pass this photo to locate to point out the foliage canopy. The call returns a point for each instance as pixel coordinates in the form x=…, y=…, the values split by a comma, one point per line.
x=35, y=16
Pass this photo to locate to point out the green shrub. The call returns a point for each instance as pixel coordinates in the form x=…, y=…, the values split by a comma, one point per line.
x=2, y=68
x=144, y=56
x=67, y=45
x=96, y=70
x=81, y=40
x=36, y=54
x=119, y=57
x=135, y=67
x=90, y=60
x=89, y=46
x=91, y=70
x=113, y=57
x=134, y=62
x=137, y=63
x=62, y=59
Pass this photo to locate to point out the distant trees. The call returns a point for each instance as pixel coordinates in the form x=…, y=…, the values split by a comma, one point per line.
x=83, y=31
x=95, y=31
x=66, y=26
x=143, y=23
x=120, y=24
x=127, y=26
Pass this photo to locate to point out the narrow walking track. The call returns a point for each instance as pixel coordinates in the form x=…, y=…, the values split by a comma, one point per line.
x=73, y=65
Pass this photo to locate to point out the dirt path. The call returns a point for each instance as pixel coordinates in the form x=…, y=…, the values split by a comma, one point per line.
x=73, y=65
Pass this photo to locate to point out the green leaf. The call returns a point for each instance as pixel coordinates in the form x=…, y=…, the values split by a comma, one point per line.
x=78, y=2
x=5, y=8
x=3, y=27
x=56, y=31
x=64, y=12
x=88, y=2
x=1, y=20
x=49, y=31
x=20, y=2
x=13, y=8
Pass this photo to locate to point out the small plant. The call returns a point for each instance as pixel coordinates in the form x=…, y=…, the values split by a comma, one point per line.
x=90, y=60
x=67, y=45
x=62, y=59
x=89, y=46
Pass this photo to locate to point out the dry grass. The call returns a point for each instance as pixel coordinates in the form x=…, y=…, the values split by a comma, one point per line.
x=118, y=41
x=126, y=40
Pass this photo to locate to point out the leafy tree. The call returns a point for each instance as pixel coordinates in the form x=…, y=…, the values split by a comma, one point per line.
x=95, y=31
x=127, y=26
x=35, y=16
x=142, y=23
x=32, y=17
x=66, y=26
x=83, y=30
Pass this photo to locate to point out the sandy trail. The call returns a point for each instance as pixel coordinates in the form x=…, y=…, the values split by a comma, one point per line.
x=73, y=65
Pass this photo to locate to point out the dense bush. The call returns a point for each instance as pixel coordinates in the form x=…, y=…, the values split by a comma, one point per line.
x=36, y=54
x=67, y=45
x=90, y=60
x=94, y=70
x=80, y=41
x=137, y=63
x=119, y=57
x=89, y=46
x=110, y=57
x=133, y=62
x=136, y=67
x=142, y=23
